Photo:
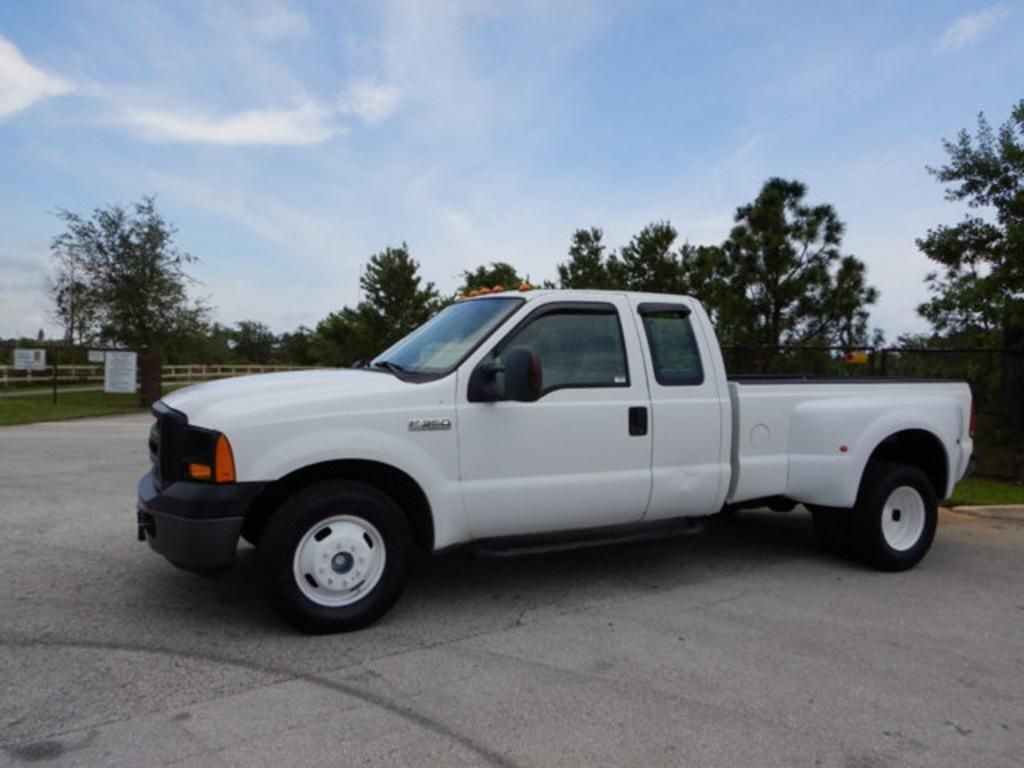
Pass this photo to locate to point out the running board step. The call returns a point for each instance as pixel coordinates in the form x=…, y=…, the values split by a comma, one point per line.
x=519, y=546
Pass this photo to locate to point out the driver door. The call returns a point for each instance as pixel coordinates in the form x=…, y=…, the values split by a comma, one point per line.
x=580, y=455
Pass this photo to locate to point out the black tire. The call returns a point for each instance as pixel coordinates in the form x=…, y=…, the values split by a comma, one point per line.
x=250, y=532
x=834, y=529
x=896, y=516
x=302, y=522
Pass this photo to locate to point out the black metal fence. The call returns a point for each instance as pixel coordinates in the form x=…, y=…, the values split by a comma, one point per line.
x=996, y=377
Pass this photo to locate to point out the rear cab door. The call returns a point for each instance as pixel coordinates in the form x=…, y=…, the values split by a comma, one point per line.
x=691, y=411
x=579, y=456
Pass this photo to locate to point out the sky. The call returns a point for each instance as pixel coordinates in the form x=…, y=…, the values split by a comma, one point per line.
x=288, y=142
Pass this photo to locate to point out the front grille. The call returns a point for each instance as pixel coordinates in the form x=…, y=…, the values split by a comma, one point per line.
x=166, y=444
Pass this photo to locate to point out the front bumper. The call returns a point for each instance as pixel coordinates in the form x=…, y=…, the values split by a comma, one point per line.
x=194, y=525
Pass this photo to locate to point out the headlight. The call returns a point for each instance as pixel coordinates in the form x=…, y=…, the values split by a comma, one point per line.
x=208, y=456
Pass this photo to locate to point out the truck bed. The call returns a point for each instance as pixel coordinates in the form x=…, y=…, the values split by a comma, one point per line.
x=809, y=439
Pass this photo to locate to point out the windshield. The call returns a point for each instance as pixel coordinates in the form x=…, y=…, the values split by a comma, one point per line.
x=441, y=343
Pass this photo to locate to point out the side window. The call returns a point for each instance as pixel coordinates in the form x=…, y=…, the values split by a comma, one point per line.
x=673, y=347
x=576, y=348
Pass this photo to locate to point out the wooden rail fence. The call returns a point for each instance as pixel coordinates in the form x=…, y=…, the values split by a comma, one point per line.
x=172, y=374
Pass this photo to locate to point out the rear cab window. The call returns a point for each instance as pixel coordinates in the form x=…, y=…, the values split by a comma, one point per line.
x=670, y=336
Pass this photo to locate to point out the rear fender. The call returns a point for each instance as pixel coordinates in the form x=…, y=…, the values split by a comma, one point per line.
x=831, y=441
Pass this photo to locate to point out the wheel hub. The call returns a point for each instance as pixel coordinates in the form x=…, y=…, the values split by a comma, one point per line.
x=903, y=518
x=342, y=562
x=339, y=560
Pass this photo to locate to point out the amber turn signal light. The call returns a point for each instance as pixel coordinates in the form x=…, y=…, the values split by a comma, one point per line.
x=223, y=461
x=200, y=471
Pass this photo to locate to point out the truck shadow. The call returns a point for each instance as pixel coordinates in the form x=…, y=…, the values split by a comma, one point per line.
x=741, y=543
x=141, y=600
x=465, y=580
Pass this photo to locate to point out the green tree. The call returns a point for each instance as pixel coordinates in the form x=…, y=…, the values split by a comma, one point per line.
x=296, y=348
x=784, y=278
x=648, y=262
x=394, y=294
x=74, y=306
x=120, y=279
x=253, y=342
x=978, y=290
x=484, y=276
x=395, y=301
x=701, y=268
x=209, y=344
x=587, y=266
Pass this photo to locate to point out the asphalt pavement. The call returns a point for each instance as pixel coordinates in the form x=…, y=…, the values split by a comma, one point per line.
x=743, y=646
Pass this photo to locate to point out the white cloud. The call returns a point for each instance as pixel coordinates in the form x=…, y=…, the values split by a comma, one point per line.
x=969, y=28
x=370, y=101
x=315, y=264
x=308, y=123
x=21, y=84
x=300, y=232
x=280, y=23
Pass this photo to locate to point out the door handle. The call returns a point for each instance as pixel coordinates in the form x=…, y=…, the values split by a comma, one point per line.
x=638, y=420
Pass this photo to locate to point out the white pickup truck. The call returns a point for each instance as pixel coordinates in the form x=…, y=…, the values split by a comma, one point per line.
x=529, y=416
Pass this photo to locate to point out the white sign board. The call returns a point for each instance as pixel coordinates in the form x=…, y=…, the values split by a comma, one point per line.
x=29, y=359
x=96, y=355
x=119, y=372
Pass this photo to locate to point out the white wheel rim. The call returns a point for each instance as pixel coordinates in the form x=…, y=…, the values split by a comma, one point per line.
x=903, y=518
x=339, y=561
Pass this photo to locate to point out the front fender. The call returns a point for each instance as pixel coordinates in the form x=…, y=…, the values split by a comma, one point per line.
x=429, y=458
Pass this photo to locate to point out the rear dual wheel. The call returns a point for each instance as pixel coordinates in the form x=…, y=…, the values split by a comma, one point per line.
x=892, y=524
x=896, y=516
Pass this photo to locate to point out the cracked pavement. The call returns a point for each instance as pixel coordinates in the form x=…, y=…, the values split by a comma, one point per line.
x=742, y=646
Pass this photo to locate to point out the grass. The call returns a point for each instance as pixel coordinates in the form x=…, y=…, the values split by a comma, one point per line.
x=40, y=384
x=69, y=405
x=978, y=491
x=73, y=405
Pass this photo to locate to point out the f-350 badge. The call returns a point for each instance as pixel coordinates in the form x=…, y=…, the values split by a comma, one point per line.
x=429, y=425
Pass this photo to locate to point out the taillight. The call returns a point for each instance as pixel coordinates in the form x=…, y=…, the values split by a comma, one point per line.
x=974, y=419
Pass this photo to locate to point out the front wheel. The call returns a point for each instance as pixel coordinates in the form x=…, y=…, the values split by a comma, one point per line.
x=335, y=556
x=896, y=516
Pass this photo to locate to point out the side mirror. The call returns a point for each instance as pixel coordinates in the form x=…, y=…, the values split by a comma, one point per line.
x=524, y=378
x=518, y=377
x=483, y=383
